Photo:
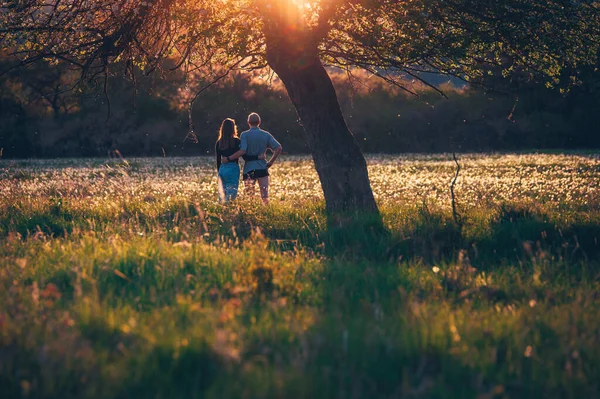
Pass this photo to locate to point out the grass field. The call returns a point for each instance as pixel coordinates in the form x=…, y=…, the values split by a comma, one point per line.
x=126, y=279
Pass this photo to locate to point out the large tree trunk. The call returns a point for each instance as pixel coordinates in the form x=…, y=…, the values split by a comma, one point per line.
x=338, y=160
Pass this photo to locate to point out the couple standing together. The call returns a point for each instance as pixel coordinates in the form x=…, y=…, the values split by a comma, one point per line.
x=251, y=146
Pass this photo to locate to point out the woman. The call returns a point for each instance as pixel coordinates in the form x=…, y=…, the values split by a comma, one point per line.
x=228, y=144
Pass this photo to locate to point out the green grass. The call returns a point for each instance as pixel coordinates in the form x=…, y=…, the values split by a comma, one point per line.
x=136, y=283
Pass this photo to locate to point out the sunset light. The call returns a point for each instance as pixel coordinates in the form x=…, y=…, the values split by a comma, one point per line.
x=303, y=199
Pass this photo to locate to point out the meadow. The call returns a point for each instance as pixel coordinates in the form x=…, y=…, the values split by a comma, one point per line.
x=127, y=279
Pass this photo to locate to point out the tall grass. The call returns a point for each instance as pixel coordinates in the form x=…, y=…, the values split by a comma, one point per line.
x=120, y=281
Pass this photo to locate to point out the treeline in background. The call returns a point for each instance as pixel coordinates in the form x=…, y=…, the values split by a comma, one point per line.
x=43, y=113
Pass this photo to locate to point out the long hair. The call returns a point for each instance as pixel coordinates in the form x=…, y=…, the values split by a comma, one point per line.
x=227, y=134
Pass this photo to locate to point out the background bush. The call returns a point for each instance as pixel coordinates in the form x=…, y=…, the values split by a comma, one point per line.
x=150, y=118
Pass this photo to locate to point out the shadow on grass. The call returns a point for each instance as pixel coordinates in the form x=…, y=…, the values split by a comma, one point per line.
x=515, y=234
x=524, y=235
x=168, y=372
x=103, y=362
x=348, y=327
x=56, y=221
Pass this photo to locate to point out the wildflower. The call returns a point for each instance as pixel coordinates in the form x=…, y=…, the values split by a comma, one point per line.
x=51, y=293
x=532, y=303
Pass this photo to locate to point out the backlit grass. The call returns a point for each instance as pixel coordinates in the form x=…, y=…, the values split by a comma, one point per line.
x=126, y=279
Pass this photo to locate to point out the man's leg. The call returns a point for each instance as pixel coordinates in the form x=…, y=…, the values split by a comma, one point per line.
x=249, y=187
x=263, y=183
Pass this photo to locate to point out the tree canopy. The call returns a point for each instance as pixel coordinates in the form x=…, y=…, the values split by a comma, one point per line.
x=459, y=37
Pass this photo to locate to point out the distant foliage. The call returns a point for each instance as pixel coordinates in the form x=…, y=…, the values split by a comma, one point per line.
x=553, y=42
x=150, y=119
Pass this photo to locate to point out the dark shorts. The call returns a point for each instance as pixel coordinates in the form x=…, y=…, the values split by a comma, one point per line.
x=256, y=174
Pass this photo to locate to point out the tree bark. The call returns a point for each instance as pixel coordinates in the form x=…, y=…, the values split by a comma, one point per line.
x=339, y=162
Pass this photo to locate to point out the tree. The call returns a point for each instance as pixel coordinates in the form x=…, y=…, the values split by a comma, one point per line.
x=43, y=88
x=298, y=39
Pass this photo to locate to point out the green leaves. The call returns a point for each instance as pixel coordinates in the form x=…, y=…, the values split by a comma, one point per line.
x=465, y=38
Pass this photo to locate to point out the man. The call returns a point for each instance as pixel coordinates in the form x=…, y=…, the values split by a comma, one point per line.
x=255, y=142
